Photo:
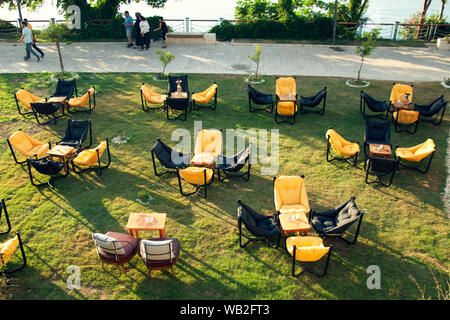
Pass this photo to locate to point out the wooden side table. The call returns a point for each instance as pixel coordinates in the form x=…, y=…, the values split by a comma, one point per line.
x=146, y=222
x=181, y=95
x=287, y=98
x=398, y=106
x=380, y=150
x=63, y=101
x=294, y=223
x=61, y=152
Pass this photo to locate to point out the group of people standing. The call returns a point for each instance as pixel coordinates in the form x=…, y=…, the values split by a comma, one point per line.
x=142, y=31
x=30, y=41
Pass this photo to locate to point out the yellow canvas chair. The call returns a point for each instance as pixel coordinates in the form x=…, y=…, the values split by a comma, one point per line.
x=7, y=249
x=85, y=103
x=405, y=119
x=26, y=98
x=399, y=90
x=202, y=99
x=199, y=177
x=148, y=97
x=308, y=249
x=286, y=95
x=90, y=159
x=208, y=146
x=290, y=195
x=345, y=150
x=417, y=154
x=27, y=146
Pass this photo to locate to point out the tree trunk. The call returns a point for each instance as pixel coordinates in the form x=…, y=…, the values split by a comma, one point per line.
x=426, y=5
x=360, y=67
x=256, y=73
x=60, y=56
x=441, y=12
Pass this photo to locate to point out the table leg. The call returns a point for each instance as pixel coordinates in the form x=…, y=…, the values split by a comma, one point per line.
x=162, y=233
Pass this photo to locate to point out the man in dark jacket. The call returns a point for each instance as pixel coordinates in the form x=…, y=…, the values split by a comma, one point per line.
x=137, y=31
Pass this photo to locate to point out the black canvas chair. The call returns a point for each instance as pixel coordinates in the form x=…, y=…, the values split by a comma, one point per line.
x=76, y=133
x=335, y=222
x=169, y=159
x=307, y=104
x=48, y=110
x=178, y=107
x=380, y=168
x=378, y=108
x=4, y=211
x=431, y=110
x=377, y=132
x=66, y=88
x=11, y=247
x=231, y=166
x=261, y=99
x=261, y=227
x=47, y=167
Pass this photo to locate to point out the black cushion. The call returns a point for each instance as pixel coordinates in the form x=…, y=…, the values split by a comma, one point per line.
x=314, y=100
x=258, y=224
x=166, y=156
x=259, y=97
x=373, y=104
x=338, y=220
x=46, y=166
x=431, y=109
x=45, y=108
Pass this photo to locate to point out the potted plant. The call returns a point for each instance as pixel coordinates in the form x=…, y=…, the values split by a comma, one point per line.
x=165, y=57
x=364, y=50
x=253, y=76
x=446, y=83
x=143, y=197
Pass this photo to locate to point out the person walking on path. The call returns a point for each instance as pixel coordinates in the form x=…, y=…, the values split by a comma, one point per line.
x=27, y=37
x=163, y=28
x=145, y=33
x=34, y=39
x=137, y=31
x=128, y=23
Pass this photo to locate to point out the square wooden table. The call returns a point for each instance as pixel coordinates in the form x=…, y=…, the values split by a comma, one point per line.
x=61, y=152
x=380, y=150
x=203, y=159
x=146, y=222
x=297, y=222
x=398, y=106
x=287, y=98
x=63, y=101
x=181, y=95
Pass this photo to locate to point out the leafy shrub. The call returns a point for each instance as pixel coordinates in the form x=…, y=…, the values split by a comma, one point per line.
x=224, y=31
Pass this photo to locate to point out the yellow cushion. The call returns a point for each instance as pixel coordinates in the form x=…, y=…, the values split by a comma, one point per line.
x=152, y=97
x=290, y=190
x=195, y=175
x=83, y=100
x=89, y=157
x=25, y=97
x=205, y=96
x=417, y=153
x=27, y=145
x=400, y=89
x=7, y=249
x=293, y=209
x=340, y=145
x=307, y=248
x=209, y=141
x=406, y=116
x=286, y=86
x=286, y=108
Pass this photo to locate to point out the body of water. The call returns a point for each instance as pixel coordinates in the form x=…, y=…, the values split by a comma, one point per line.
x=386, y=11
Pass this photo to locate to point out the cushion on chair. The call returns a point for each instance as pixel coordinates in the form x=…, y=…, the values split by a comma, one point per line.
x=286, y=86
x=196, y=176
x=308, y=249
x=258, y=224
x=340, y=145
x=209, y=141
x=152, y=97
x=128, y=249
x=27, y=145
x=205, y=96
x=7, y=249
x=158, y=246
x=290, y=190
x=286, y=108
x=406, y=116
x=293, y=208
x=89, y=157
x=416, y=153
x=83, y=100
x=398, y=90
x=25, y=97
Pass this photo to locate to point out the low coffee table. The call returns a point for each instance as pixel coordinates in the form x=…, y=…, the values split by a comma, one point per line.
x=203, y=159
x=398, y=106
x=146, y=222
x=63, y=101
x=294, y=223
x=380, y=150
x=287, y=98
x=61, y=152
x=181, y=95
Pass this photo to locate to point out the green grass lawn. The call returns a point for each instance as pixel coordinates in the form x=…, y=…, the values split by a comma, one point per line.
x=405, y=229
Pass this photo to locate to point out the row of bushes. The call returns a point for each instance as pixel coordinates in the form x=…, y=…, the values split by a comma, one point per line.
x=296, y=28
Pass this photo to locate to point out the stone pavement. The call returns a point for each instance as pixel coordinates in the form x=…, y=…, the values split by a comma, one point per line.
x=399, y=64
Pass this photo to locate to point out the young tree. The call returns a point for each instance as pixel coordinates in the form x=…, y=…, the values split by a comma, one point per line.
x=55, y=32
x=423, y=14
x=256, y=59
x=165, y=57
x=366, y=48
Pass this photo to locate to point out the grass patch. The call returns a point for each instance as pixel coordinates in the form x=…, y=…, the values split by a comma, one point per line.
x=405, y=230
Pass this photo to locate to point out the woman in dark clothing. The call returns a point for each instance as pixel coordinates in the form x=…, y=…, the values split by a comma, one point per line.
x=164, y=30
x=137, y=31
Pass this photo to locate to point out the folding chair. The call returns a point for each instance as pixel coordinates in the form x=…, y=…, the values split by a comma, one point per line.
x=286, y=100
x=169, y=159
x=259, y=98
x=47, y=167
x=203, y=99
x=378, y=108
x=231, y=166
x=290, y=195
x=307, y=104
x=400, y=93
x=377, y=132
x=198, y=177
x=27, y=146
x=416, y=154
x=178, y=107
x=344, y=149
x=380, y=167
x=76, y=133
x=25, y=98
x=5, y=212
x=7, y=249
x=151, y=100
x=90, y=159
x=433, y=109
x=49, y=110
x=66, y=88
x=85, y=103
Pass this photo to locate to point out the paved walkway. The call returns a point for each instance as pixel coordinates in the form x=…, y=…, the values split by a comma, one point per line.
x=406, y=64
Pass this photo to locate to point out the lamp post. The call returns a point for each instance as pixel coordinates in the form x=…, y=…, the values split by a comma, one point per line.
x=335, y=21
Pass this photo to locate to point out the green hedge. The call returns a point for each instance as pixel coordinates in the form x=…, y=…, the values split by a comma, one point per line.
x=295, y=28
